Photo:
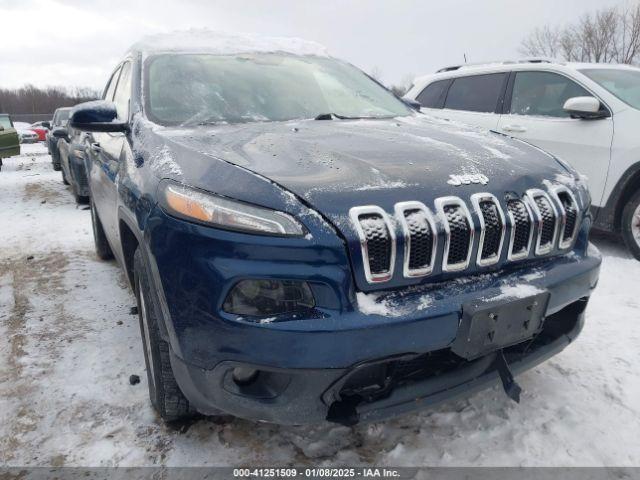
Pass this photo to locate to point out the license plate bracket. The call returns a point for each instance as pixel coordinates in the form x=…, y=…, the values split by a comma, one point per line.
x=490, y=325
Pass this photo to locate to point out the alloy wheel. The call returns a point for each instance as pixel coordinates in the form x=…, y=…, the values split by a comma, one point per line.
x=635, y=225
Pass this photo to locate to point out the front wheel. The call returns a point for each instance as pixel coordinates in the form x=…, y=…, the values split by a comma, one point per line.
x=164, y=392
x=631, y=225
x=80, y=199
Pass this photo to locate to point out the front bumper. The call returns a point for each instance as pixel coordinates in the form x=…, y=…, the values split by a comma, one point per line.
x=304, y=365
x=295, y=397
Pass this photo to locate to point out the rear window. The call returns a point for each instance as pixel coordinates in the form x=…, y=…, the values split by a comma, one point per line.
x=433, y=95
x=479, y=93
x=5, y=122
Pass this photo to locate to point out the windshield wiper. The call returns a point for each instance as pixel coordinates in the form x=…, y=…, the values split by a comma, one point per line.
x=331, y=116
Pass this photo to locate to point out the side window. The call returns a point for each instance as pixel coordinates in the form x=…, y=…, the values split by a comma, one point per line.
x=123, y=92
x=543, y=94
x=478, y=93
x=108, y=92
x=433, y=95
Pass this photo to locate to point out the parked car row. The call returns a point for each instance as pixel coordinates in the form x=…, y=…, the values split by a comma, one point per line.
x=305, y=247
x=64, y=144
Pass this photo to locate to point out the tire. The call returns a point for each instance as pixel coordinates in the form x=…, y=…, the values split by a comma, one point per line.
x=164, y=392
x=103, y=250
x=80, y=199
x=631, y=225
x=55, y=161
x=64, y=177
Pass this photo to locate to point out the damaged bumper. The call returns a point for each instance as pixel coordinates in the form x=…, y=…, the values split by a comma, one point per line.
x=403, y=364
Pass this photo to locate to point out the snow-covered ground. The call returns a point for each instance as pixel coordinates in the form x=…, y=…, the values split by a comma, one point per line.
x=68, y=346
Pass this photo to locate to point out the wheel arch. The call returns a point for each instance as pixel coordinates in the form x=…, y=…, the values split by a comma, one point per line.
x=610, y=216
x=131, y=237
x=629, y=188
x=129, y=242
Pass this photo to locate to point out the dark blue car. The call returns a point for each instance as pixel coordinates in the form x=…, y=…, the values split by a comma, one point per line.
x=306, y=247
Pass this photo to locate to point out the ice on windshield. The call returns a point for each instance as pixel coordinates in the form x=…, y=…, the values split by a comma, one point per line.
x=188, y=89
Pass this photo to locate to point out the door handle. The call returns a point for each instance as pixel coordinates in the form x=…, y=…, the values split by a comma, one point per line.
x=514, y=128
x=95, y=147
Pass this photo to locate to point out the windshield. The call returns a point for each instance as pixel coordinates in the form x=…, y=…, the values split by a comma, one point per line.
x=624, y=84
x=5, y=122
x=61, y=116
x=189, y=89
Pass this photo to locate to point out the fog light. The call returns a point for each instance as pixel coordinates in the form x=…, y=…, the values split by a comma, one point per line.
x=244, y=375
x=269, y=297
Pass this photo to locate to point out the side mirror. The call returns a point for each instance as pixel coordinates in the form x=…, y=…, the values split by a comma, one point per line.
x=588, y=108
x=411, y=103
x=98, y=116
x=47, y=125
x=59, y=132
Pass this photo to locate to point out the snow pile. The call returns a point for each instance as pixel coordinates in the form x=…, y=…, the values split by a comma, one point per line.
x=221, y=43
x=517, y=291
x=369, y=305
x=164, y=163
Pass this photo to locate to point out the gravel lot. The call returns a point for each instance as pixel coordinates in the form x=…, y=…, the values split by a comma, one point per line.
x=68, y=346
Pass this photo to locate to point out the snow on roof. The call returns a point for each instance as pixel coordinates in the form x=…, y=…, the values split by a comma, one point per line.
x=220, y=43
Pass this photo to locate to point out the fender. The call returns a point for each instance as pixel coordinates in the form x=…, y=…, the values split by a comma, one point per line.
x=607, y=218
x=166, y=325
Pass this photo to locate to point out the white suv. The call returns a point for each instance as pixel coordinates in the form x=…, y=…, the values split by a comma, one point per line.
x=585, y=114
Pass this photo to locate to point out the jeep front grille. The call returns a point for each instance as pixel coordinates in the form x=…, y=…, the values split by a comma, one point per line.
x=459, y=232
x=547, y=219
x=377, y=242
x=420, y=238
x=492, y=228
x=521, y=229
x=569, y=213
x=447, y=235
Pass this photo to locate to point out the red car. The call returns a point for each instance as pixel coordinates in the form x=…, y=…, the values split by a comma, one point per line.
x=41, y=128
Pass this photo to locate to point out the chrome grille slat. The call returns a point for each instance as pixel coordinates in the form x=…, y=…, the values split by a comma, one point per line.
x=570, y=215
x=420, y=238
x=377, y=242
x=492, y=228
x=521, y=219
x=459, y=233
x=547, y=220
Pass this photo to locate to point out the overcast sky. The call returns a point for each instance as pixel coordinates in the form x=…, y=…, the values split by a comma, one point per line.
x=77, y=42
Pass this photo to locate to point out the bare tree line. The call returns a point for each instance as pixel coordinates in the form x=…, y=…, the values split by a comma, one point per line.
x=610, y=35
x=33, y=100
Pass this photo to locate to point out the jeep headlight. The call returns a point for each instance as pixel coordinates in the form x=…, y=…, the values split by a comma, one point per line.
x=201, y=207
x=259, y=298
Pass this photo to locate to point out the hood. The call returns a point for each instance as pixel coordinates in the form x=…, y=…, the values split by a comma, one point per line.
x=333, y=165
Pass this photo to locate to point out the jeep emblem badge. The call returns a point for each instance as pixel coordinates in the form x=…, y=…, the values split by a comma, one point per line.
x=468, y=179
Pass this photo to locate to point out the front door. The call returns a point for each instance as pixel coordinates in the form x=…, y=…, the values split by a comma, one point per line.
x=536, y=115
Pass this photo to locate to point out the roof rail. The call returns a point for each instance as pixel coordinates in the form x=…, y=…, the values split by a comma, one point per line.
x=503, y=62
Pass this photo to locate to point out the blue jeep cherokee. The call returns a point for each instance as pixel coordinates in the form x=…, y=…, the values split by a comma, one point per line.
x=306, y=247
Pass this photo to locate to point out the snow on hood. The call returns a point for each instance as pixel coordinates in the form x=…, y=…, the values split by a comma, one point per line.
x=221, y=43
